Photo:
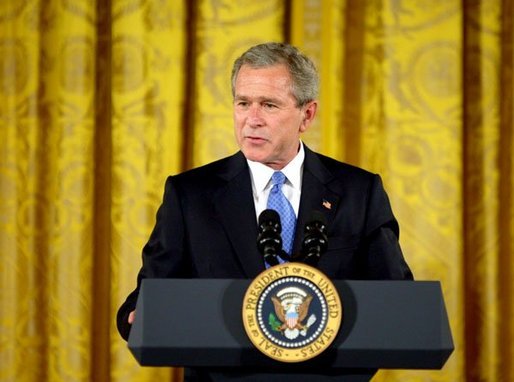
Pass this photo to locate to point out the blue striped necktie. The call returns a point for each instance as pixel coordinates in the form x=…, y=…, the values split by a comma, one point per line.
x=277, y=201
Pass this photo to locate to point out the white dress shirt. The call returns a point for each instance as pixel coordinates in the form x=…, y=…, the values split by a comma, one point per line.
x=292, y=188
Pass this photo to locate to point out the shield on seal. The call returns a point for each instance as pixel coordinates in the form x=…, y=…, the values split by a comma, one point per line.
x=291, y=319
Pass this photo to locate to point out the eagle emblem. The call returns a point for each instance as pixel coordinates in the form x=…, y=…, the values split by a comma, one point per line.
x=291, y=312
x=291, y=308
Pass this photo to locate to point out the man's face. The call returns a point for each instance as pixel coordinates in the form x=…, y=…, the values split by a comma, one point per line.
x=267, y=121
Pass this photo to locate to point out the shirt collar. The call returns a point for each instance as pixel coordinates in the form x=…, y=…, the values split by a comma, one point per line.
x=261, y=174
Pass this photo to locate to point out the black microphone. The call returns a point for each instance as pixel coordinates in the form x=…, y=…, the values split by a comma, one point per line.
x=269, y=241
x=315, y=241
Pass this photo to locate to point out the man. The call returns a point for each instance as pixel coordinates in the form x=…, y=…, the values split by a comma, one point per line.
x=207, y=224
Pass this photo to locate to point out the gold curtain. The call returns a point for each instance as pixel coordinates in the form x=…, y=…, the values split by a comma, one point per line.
x=100, y=101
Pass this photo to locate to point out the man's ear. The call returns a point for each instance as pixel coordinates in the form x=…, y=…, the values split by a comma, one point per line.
x=309, y=112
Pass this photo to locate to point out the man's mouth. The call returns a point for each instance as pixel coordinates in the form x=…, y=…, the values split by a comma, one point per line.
x=254, y=139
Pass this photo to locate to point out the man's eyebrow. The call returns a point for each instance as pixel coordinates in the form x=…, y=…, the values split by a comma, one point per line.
x=241, y=97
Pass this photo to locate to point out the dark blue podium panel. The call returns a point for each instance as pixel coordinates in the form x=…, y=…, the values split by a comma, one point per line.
x=197, y=323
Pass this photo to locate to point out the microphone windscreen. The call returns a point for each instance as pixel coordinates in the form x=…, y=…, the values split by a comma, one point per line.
x=269, y=215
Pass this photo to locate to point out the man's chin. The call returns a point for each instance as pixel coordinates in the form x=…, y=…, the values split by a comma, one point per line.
x=254, y=155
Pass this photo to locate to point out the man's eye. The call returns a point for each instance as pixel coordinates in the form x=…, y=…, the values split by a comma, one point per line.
x=269, y=105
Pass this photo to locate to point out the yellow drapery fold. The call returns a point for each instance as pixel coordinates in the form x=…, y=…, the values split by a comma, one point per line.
x=148, y=52
x=100, y=101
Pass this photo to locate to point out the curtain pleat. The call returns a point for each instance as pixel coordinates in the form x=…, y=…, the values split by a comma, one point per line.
x=101, y=100
x=504, y=281
x=148, y=50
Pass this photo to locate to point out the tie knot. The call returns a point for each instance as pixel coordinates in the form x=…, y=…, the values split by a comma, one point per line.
x=278, y=178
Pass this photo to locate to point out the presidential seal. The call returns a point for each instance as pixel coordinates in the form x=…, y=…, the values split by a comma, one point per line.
x=292, y=312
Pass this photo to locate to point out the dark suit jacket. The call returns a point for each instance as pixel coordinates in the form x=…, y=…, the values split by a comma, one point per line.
x=206, y=226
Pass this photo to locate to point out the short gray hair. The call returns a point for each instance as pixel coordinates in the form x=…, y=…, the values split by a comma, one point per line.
x=305, y=80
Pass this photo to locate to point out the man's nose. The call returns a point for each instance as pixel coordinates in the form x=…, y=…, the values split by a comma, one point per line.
x=255, y=116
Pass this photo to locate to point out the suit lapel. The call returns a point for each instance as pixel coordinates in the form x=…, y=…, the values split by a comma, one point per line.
x=236, y=211
x=315, y=195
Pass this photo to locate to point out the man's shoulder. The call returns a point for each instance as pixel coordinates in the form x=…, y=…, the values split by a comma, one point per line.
x=222, y=169
x=339, y=169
